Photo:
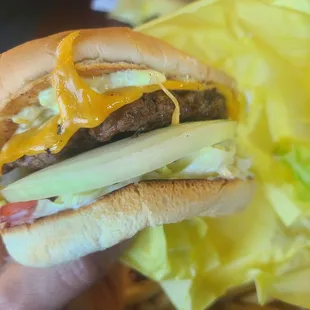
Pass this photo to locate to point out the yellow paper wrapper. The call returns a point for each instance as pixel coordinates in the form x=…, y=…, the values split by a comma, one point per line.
x=136, y=12
x=265, y=46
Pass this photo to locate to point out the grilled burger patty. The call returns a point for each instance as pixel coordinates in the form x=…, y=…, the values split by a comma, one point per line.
x=152, y=111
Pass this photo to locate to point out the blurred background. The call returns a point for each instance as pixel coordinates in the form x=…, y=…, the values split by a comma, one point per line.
x=24, y=20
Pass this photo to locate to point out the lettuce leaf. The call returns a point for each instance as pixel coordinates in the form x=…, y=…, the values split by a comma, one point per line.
x=210, y=162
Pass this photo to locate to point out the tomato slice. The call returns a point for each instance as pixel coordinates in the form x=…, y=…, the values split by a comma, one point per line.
x=16, y=207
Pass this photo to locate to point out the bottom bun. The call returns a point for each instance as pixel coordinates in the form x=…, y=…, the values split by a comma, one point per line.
x=120, y=215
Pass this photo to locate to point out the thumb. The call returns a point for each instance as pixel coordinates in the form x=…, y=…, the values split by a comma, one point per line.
x=52, y=288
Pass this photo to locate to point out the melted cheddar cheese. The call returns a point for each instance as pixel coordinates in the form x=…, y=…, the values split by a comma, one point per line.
x=82, y=107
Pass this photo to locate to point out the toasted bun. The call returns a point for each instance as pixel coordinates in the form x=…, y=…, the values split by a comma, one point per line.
x=25, y=70
x=120, y=215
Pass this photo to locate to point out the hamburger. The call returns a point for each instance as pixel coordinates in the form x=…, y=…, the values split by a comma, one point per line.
x=105, y=132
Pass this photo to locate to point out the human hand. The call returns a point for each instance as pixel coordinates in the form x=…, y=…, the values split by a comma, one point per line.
x=26, y=288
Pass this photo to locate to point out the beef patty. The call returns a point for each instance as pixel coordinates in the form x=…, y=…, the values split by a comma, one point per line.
x=150, y=112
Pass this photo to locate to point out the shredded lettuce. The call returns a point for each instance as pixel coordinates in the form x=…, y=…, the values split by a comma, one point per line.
x=31, y=117
x=27, y=115
x=100, y=84
x=47, y=99
x=210, y=162
x=125, y=78
x=80, y=199
x=47, y=207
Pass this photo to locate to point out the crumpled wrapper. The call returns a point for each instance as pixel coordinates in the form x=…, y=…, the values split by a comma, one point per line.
x=265, y=46
x=136, y=12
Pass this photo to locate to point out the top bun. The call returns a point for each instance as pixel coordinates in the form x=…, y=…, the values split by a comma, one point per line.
x=25, y=70
x=26, y=63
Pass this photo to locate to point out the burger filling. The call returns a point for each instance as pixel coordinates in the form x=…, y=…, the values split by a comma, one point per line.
x=76, y=116
x=150, y=112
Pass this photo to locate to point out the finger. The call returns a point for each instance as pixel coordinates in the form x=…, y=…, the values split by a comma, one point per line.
x=3, y=253
x=107, y=293
x=52, y=288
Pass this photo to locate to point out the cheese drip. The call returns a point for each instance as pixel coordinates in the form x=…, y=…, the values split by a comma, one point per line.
x=82, y=107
